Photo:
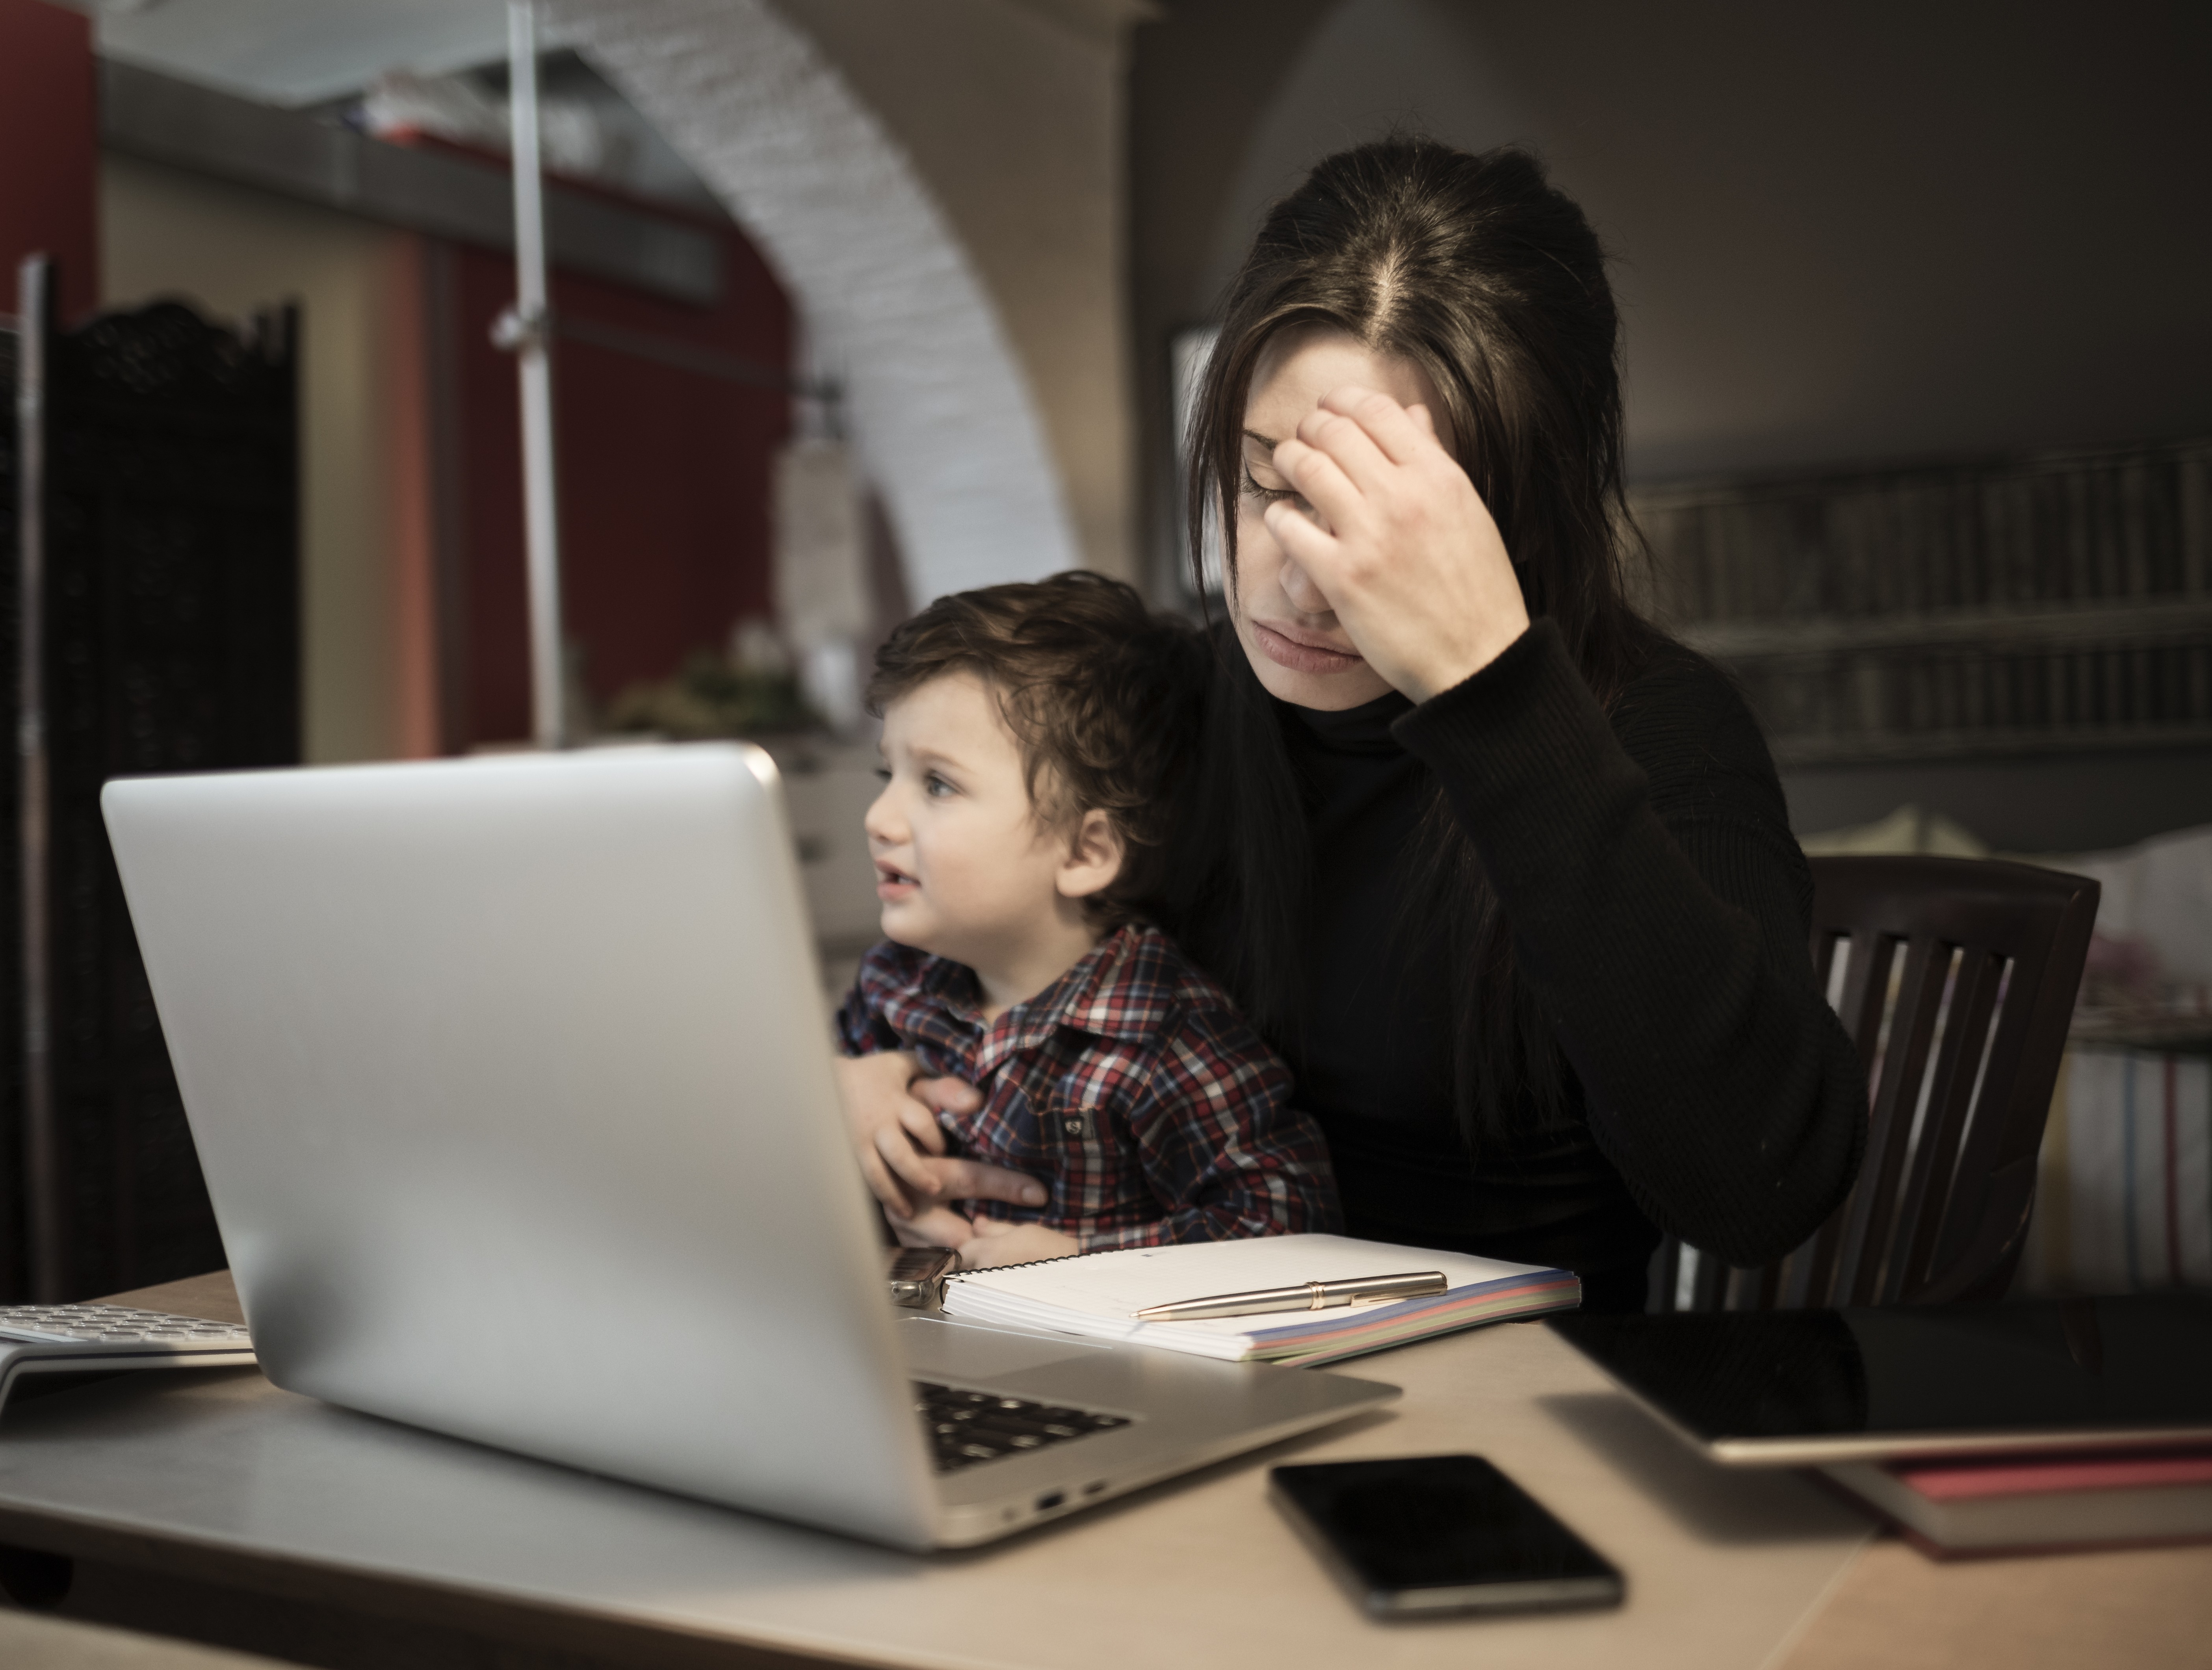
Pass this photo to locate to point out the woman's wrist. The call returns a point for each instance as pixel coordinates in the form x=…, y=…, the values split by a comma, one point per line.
x=1452, y=665
x=1507, y=692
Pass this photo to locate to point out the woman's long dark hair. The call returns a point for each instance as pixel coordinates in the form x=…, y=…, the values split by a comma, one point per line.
x=1476, y=271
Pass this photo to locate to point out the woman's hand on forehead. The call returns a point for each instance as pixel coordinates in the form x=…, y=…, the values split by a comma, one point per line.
x=1401, y=544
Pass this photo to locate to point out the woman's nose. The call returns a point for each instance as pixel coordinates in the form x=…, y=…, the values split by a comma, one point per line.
x=1299, y=588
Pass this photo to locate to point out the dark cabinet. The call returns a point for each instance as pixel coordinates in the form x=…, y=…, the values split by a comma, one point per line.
x=171, y=642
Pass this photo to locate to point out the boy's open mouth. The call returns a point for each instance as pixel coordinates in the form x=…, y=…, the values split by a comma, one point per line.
x=893, y=882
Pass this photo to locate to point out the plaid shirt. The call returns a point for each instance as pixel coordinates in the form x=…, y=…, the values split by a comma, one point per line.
x=1131, y=1087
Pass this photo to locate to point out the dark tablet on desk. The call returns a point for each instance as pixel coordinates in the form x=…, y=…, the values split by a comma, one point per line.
x=1806, y=1388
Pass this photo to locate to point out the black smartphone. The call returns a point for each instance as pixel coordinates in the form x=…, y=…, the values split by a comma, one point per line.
x=1418, y=1535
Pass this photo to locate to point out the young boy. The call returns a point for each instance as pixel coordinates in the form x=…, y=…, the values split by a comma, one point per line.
x=1033, y=738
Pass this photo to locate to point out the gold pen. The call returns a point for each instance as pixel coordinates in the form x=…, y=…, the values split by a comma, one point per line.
x=1306, y=1296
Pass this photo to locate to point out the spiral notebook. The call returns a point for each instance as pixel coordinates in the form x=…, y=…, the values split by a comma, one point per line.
x=1095, y=1294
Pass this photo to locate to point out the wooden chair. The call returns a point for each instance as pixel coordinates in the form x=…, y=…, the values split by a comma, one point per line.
x=1956, y=978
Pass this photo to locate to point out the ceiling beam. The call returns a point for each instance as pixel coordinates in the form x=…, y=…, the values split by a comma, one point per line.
x=161, y=120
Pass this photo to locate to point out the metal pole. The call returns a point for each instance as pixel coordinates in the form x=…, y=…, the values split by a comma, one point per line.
x=523, y=329
x=41, y=1140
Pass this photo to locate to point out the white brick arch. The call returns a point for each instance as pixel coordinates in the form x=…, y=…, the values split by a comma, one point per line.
x=935, y=400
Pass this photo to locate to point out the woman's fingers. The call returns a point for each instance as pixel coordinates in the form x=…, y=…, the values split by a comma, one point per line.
x=1312, y=548
x=915, y=1171
x=893, y=1120
x=1386, y=427
x=873, y=1090
x=972, y=1180
x=946, y=1096
x=1320, y=480
x=897, y=1202
x=1347, y=454
x=1344, y=437
x=921, y=1124
x=1406, y=556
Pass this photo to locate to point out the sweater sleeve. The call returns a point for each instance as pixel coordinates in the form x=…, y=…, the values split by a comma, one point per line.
x=1223, y=1150
x=1659, y=906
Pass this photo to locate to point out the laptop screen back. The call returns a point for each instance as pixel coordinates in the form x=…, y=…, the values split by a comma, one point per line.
x=512, y=1080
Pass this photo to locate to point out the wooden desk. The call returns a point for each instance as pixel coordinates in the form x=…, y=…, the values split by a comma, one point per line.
x=220, y=1485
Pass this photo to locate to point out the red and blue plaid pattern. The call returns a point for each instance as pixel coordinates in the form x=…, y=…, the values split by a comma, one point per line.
x=1131, y=1087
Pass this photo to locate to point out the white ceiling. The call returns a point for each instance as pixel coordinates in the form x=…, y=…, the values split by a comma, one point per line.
x=300, y=51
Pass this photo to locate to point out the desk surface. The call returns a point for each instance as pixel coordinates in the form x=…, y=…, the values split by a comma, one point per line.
x=51, y=1643
x=223, y=1475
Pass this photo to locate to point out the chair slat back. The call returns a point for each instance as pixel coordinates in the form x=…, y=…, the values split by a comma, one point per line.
x=1956, y=980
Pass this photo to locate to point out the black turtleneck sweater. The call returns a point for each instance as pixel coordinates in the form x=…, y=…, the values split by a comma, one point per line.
x=1659, y=909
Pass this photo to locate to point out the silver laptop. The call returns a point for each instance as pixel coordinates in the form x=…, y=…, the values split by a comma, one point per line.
x=512, y=1081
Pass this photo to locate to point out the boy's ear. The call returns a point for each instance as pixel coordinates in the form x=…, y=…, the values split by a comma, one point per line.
x=1095, y=851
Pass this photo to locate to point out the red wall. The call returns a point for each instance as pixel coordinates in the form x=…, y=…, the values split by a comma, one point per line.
x=664, y=480
x=49, y=149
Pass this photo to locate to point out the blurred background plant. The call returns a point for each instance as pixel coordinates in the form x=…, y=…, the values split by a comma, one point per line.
x=751, y=689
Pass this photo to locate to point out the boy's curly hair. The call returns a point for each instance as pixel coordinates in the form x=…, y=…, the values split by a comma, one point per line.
x=1102, y=695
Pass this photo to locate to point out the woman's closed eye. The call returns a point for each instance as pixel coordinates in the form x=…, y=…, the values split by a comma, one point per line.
x=1268, y=495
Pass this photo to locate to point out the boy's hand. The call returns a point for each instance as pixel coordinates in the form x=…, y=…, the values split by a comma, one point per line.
x=995, y=1242
x=892, y=1114
x=934, y=1226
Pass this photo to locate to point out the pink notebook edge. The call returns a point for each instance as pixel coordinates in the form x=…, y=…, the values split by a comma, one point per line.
x=1946, y=1554
x=1955, y=1479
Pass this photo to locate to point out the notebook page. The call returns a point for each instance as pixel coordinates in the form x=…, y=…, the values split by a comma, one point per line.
x=1098, y=1294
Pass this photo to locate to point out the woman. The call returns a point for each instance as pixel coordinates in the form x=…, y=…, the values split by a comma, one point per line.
x=1506, y=873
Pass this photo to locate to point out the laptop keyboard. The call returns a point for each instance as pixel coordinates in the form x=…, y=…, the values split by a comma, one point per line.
x=966, y=1428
